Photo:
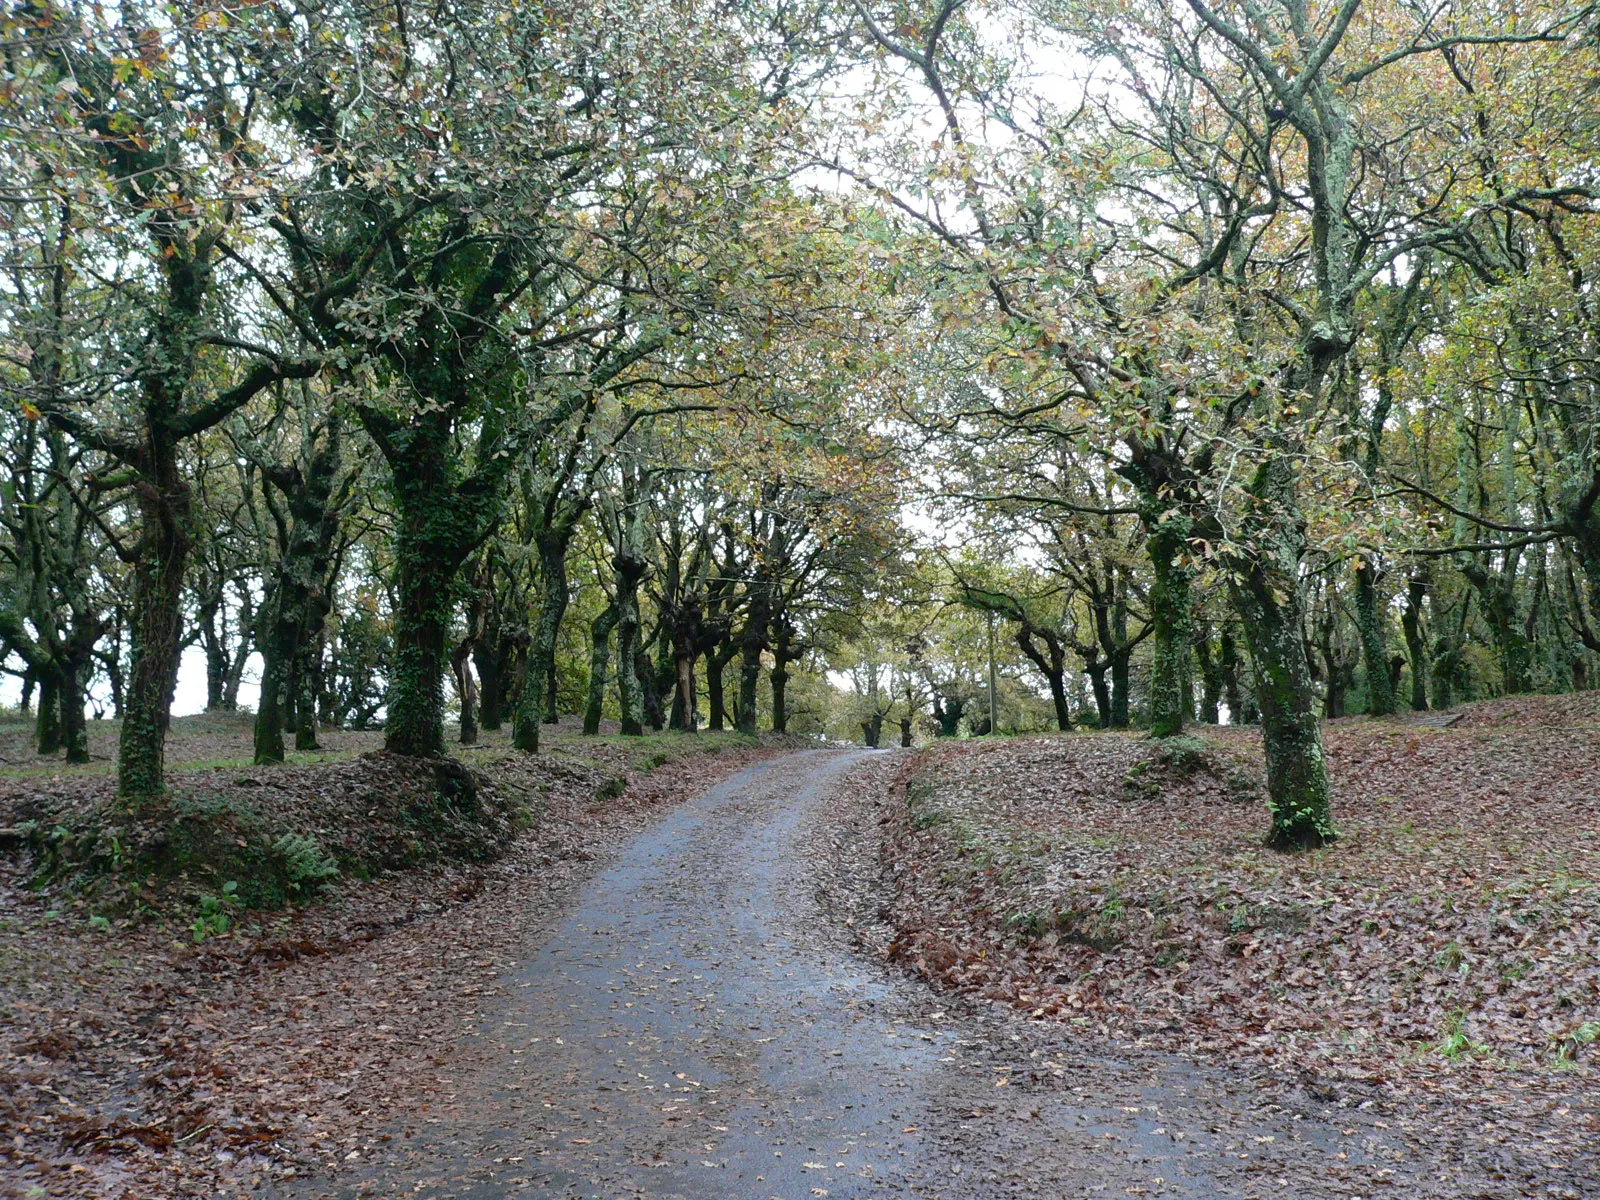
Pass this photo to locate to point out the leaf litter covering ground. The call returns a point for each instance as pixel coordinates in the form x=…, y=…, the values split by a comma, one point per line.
x=136, y=1063
x=1448, y=944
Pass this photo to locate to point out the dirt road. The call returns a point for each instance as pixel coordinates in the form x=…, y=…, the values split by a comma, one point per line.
x=699, y=1026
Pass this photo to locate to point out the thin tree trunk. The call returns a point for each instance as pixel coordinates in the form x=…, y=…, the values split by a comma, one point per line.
x=1416, y=642
x=1211, y=679
x=466, y=691
x=630, y=687
x=687, y=702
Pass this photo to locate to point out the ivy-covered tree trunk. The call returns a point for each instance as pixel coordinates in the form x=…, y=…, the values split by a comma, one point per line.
x=442, y=518
x=1374, y=641
x=415, y=724
x=1266, y=592
x=434, y=537
x=1498, y=600
x=1170, y=619
x=1411, y=624
x=599, y=667
x=554, y=595
x=155, y=625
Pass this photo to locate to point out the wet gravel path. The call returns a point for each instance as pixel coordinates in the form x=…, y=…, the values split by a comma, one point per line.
x=697, y=1026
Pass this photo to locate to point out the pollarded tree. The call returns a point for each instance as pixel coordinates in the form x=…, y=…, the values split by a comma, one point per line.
x=509, y=214
x=307, y=482
x=1177, y=263
x=144, y=121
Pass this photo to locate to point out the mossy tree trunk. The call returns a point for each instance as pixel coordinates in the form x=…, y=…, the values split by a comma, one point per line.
x=753, y=641
x=751, y=644
x=155, y=626
x=298, y=597
x=717, y=660
x=74, y=727
x=1497, y=596
x=308, y=663
x=442, y=519
x=599, y=667
x=1266, y=592
x=47, y=721
x=415, y=725
x=1170, y=621
x=630, y=569
x=1411, y=623
x=653, y=679
x=1052, y=664
x=1370, y=624
x=554, y=595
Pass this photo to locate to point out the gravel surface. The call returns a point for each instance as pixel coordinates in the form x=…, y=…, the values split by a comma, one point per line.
x=710, y=1020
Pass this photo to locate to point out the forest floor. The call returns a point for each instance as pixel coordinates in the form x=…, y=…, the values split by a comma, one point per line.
x=141, y=1058
x=1039, y=967
x=1440, y=962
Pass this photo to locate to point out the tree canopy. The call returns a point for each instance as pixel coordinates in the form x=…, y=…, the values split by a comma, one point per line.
x=960, y=367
